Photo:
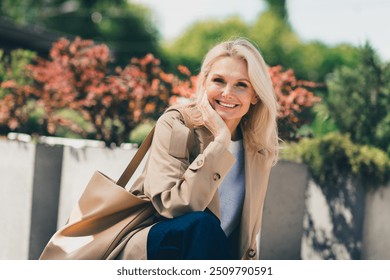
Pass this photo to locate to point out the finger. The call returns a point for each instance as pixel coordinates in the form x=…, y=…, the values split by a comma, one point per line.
x=206, y=107
x=205, y=101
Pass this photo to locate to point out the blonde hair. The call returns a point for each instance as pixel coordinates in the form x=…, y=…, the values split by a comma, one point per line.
x=259, y=124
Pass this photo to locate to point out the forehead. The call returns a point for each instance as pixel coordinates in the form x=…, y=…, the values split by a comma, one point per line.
x=231, y=67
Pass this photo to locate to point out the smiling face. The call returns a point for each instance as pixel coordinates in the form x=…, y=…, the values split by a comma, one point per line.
x=229, y=90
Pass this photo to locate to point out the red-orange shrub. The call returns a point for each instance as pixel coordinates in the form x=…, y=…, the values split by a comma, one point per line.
x=78, y=76
x=294, y=101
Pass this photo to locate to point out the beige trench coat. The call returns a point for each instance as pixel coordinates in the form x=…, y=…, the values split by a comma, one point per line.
x=183, y=172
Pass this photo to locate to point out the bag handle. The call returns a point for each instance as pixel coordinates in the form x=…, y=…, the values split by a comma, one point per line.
x=139, y=155
x=136, y=160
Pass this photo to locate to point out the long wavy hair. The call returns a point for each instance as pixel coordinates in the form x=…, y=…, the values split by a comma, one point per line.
x=259, y=125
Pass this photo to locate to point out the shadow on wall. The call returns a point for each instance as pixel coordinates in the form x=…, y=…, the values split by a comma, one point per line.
x=333, y=222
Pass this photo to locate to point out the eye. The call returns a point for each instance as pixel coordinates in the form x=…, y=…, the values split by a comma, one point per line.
x=218, y=80
x=242, y=84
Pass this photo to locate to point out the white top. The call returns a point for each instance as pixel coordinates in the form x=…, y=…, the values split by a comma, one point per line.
x=232, y=190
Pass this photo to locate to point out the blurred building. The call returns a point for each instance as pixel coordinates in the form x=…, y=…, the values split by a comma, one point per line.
x=34, y=38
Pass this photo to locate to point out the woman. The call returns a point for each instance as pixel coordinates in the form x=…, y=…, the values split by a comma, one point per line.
x=209, y=163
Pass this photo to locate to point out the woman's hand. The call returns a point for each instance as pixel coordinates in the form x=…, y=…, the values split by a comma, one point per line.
x=214, y=122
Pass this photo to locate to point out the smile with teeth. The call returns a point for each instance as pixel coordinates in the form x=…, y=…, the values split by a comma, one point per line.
x=227, y=105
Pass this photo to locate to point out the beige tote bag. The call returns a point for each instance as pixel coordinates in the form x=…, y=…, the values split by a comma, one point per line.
x=105, y=214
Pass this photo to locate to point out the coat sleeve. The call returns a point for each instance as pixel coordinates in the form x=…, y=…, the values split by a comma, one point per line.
x=173, y=183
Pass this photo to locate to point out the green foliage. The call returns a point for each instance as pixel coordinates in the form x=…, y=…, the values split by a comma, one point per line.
x=278, y=42
x=125, y=27
x=189, y=48
x=13, y=71
x=139, y=133
x=17, y=10
x=76, y=119
x=275, y=39
x=315, y=60
x=278, y=7
x=35, y=119
x=13, y=67
x=322, y=123
x=334, y=157
x=359, y=99
x=310, y=60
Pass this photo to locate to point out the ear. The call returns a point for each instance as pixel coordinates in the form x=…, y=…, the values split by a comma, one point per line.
x=255, y=99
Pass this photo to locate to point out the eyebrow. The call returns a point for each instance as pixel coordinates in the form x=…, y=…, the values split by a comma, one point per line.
x=221, y=76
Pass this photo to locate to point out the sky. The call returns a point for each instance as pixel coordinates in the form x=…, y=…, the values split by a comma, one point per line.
x=329, y=21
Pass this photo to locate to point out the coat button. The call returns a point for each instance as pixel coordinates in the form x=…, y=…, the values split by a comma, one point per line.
x=252, y=253
x=199, y=162
x=216, y=177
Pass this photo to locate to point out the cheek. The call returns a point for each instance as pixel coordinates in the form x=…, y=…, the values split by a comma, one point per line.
x=212, y=90
x=247, y=101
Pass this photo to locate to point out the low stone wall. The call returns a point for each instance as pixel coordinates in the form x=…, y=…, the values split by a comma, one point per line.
x=40, y=184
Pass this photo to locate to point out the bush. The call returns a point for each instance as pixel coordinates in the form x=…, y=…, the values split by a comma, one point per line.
x=359, y=99
x=334, y=157
x=322, y=123
x=77, y=76
x=16, y=109
x=107, y=105
x=295, y=101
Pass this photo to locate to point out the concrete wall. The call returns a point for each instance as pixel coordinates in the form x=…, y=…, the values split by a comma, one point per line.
x=78, y=167
x=334, y=221
x=40, y=184
x=376, y=229
x=16, y=187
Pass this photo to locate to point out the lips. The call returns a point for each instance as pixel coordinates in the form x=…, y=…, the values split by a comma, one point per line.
x=226, y=105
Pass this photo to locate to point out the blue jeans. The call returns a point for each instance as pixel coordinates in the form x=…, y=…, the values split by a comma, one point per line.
x=193, y=236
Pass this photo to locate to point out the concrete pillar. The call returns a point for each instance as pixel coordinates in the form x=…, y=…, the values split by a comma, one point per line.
x=283, y=213
x=16, y=185
x=376, y=227
x=46, y=189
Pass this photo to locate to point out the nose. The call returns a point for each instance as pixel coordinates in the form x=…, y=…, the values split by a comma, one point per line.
x=227, y=91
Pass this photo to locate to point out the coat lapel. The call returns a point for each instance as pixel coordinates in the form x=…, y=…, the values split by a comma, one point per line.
x=204, y=136
x=247, y=214
x=257, y=169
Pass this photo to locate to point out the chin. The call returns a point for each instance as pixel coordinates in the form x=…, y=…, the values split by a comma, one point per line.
x=225, y=115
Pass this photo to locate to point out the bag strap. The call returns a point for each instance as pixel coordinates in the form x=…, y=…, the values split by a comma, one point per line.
x=139, y=155
x=136, y=160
